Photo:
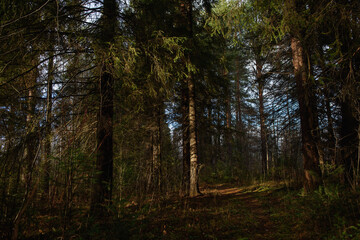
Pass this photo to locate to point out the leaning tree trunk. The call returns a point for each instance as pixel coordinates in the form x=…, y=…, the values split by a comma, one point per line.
x=308, y=117
x=102, y=188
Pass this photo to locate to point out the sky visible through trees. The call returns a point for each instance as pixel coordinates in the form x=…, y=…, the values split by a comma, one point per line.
x=151, y=119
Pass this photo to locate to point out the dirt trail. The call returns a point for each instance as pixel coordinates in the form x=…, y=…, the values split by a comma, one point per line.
x=253, y=204
x=222, y=212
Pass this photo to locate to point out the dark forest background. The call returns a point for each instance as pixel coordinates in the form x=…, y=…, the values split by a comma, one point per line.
x=108, y=103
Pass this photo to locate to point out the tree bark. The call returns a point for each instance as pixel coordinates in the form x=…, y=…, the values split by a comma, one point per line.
x=48, y=120
x=29, y=157
x=156, y=150
x=331, y=138
x=349, y=104
x=239, y=124
x=308, y=117
x=228, y=135
x=185, y=140
x=194, y=174
x=349, y=141
x=102, y=188
x=264, y=150
x=31, y=138
x=190, y=165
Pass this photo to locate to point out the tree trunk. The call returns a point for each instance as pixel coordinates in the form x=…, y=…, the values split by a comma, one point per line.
x=349, y=141
x=308, y=118
x=186, y=11
x=239, y=124
x=29, y=157
x=48, y=120
x=156, y=150
x=228, y=135
x=264, y=151
x=31, y=138
x=331, y=133
x=102, y=191
x=194, y=172
x=185, y=140
x=350, y=106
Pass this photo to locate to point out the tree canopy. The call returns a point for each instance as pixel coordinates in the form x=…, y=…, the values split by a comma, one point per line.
x=110, y=104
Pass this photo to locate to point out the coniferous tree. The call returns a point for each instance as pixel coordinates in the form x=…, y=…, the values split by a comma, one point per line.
x=102, y=192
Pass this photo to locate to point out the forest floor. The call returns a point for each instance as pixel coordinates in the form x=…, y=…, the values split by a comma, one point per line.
x=222, y=212
x=263, y=211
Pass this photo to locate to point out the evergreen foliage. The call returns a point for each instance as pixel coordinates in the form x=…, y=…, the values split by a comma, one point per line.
x=110, y=108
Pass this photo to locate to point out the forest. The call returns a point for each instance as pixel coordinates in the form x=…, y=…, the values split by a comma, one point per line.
x=179, y=119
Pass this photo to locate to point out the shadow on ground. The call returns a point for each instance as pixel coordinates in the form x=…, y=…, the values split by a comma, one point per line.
x=222, y=212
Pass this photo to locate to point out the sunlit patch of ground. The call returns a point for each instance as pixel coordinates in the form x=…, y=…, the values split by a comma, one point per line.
x=220, y=190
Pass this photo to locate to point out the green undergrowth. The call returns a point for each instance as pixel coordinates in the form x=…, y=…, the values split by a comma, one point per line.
x=269, y=210
x=328, y=213
x=262, y=211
